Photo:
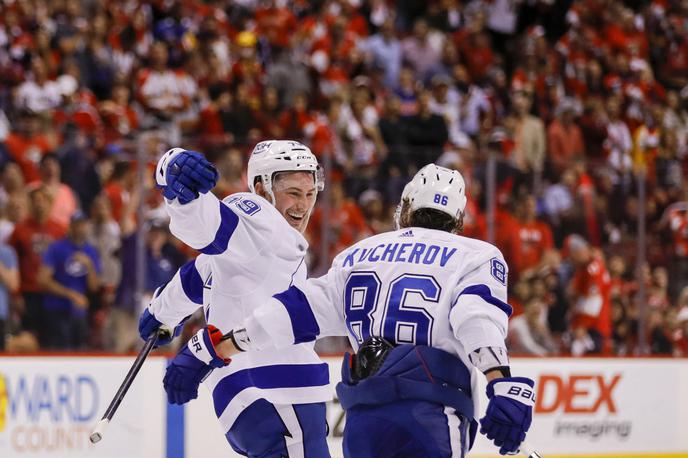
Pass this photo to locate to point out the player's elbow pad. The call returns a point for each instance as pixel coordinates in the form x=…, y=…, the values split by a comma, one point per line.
x=486, y=359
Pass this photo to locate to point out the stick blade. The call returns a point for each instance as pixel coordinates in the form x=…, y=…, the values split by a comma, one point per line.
x=97, y=434
x=527, y=450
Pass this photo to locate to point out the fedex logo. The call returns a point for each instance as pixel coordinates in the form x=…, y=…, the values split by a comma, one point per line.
x=576, y=393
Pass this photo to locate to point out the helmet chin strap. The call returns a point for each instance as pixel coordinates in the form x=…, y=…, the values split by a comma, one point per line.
x=271, y=195
x=267, y=193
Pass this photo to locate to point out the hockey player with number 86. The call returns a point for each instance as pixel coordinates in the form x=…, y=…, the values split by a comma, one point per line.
x=425, y=309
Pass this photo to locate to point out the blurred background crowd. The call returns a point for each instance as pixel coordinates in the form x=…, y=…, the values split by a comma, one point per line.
x=568, y=120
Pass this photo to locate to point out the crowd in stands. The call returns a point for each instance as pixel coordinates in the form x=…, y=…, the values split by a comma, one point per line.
x=578, y=110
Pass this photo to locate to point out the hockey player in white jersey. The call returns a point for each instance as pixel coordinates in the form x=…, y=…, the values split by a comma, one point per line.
x=426, y=311
x=270, y=404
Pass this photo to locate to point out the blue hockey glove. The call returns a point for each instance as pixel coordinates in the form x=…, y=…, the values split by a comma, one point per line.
x=509, y=412
x=148, y=324
x=184, y=174
x=192, y=365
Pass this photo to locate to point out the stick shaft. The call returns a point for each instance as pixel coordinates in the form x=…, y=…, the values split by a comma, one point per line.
x=131, y=375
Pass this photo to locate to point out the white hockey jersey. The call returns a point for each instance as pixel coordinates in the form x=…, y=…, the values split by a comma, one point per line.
x=249, y=254
x=415, y=285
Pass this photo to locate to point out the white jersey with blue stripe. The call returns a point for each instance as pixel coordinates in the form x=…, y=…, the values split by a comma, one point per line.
x=249, y=253
x=417, y=286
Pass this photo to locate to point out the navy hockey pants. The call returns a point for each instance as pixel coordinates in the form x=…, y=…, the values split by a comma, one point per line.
x=265, y=430
x=405, y=429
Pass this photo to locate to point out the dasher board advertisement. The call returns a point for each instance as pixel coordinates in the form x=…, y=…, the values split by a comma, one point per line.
x=49, y=405
x=591, y=407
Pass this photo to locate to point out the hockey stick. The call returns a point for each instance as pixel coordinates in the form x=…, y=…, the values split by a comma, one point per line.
x=99, y=430
x=526, y=450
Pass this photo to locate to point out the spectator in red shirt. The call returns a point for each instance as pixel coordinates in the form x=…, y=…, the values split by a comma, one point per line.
x=248, y=69
x=293, y=120
x=119, y=118
x=622, y=33
x=564, y=138
x=474, y=223
x=275, y=23
x=269, y=113
x=230, y=164
x=210, y=127
x=373, y=208
x=478, y=55
x=344, y=220
x=26, y=145
x=30, y=239
x=589, y=292
x=118, y=188
x=64, y=202
x=532, y=246
x=78, y=109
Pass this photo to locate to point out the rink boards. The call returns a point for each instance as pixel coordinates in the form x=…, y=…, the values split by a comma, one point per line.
x=593, y=407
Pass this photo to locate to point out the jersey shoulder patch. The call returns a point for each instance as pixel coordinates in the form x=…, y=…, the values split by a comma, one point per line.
x=498, y=270
x=247, y=205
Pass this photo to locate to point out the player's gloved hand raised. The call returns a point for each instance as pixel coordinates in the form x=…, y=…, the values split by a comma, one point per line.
x=509, y=412
x=192, y=365
x=148, y=324
x=184, y=175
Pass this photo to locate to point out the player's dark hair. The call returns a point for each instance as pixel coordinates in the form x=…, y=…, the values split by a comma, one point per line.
x=429, y=218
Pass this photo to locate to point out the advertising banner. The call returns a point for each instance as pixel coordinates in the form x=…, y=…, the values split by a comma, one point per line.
x=49, y=405
x=606, y=406
x=592, y=407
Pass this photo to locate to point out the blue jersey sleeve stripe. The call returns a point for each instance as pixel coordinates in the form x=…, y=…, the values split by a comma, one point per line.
x=228, y=224
x=192, y=284
x=483, y=291
x=303, y=321
x=269, y=377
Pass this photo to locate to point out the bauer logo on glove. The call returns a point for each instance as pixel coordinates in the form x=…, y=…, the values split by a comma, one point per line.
x=192, y=365
x=509, y=412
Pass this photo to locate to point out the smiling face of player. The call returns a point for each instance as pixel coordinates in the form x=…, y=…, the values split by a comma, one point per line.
x=295, y=194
